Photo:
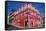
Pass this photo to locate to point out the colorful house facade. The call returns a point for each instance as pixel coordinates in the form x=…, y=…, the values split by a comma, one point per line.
x=26, y=17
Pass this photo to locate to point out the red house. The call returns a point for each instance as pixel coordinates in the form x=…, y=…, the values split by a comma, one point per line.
x=26, y=17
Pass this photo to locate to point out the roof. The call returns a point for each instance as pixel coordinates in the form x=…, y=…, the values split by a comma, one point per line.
x=25, y=8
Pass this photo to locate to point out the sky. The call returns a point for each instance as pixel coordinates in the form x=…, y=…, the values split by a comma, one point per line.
x=17, y=5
